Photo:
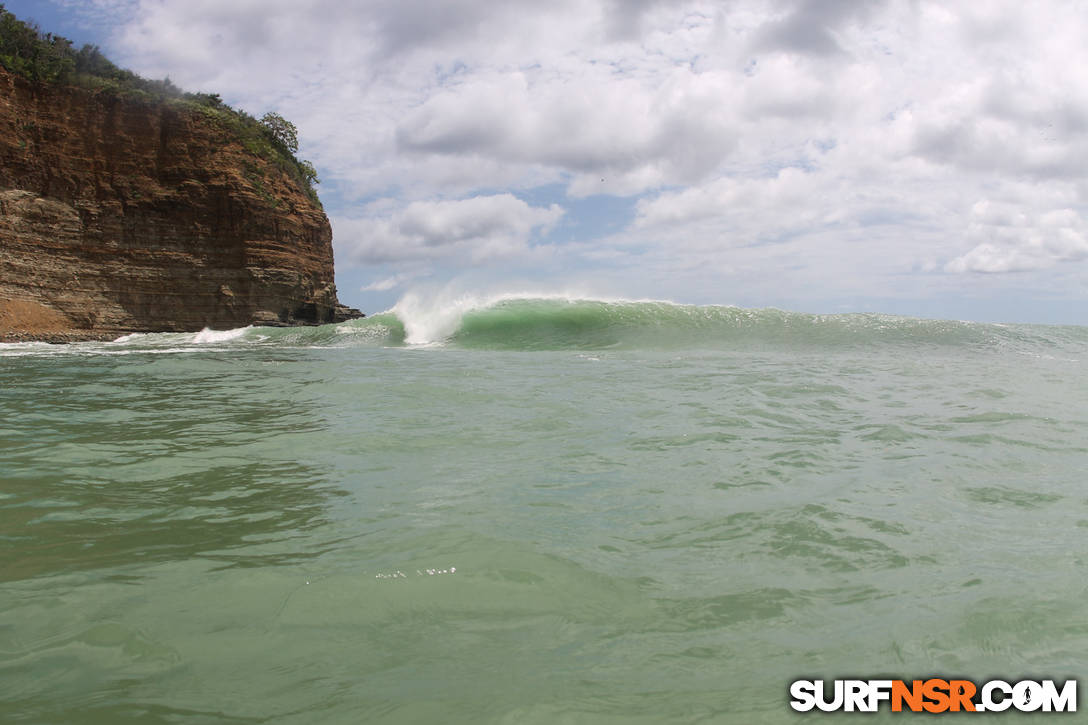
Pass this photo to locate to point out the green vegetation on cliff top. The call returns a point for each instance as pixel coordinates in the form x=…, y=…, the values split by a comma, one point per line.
x=48, y=59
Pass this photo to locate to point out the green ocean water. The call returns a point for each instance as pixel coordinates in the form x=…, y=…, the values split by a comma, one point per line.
x=537, y=511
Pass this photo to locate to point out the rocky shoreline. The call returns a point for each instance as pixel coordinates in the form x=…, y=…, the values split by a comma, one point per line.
x=56, y=338
x=25, y=334
x=24, y=321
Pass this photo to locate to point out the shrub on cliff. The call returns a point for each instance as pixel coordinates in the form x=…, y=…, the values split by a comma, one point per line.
x=26, y=50
x=46, y=58
x=50, y=59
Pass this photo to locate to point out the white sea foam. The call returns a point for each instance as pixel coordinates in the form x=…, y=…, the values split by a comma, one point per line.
x=427, y=321
x=209, y=335
x=130, y=337
x=20, y=349
x=81, y=349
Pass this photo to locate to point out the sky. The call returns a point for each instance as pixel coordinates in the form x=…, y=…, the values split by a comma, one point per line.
x=914, y=157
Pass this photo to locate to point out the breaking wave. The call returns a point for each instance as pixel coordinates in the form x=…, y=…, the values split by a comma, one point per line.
x=542, y=323
x=511, y=322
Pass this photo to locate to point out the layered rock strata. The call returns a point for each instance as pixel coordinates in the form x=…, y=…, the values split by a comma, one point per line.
x=119, y=215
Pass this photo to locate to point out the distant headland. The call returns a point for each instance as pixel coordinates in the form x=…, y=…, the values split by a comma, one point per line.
x=127, y=205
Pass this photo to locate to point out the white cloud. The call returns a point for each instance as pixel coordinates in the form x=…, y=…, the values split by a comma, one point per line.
x=791, y=190
x=749, y=133
x=386, y=284
x=475, y=231
x=597, y=126
x=1011, y=239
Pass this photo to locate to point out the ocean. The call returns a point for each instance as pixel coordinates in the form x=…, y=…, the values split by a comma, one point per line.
x=537, y=510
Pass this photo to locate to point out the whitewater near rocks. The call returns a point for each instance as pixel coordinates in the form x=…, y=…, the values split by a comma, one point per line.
x=559, y=322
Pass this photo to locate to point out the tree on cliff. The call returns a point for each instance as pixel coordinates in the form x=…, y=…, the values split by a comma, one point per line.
x=283, y=133
x=281, y=130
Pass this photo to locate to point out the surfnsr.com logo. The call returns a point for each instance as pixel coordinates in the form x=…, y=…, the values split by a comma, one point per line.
x=933, y=696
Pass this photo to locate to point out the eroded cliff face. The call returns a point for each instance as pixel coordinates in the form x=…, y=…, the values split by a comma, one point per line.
x=121, y=216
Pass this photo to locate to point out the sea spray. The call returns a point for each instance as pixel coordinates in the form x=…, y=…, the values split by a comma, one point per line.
x=431, y=321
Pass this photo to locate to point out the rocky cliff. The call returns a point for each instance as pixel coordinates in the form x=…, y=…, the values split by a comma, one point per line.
x=125, y=215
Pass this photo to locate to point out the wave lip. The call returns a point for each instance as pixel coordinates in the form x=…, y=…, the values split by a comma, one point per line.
x=436, y=321
x=428, y=322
